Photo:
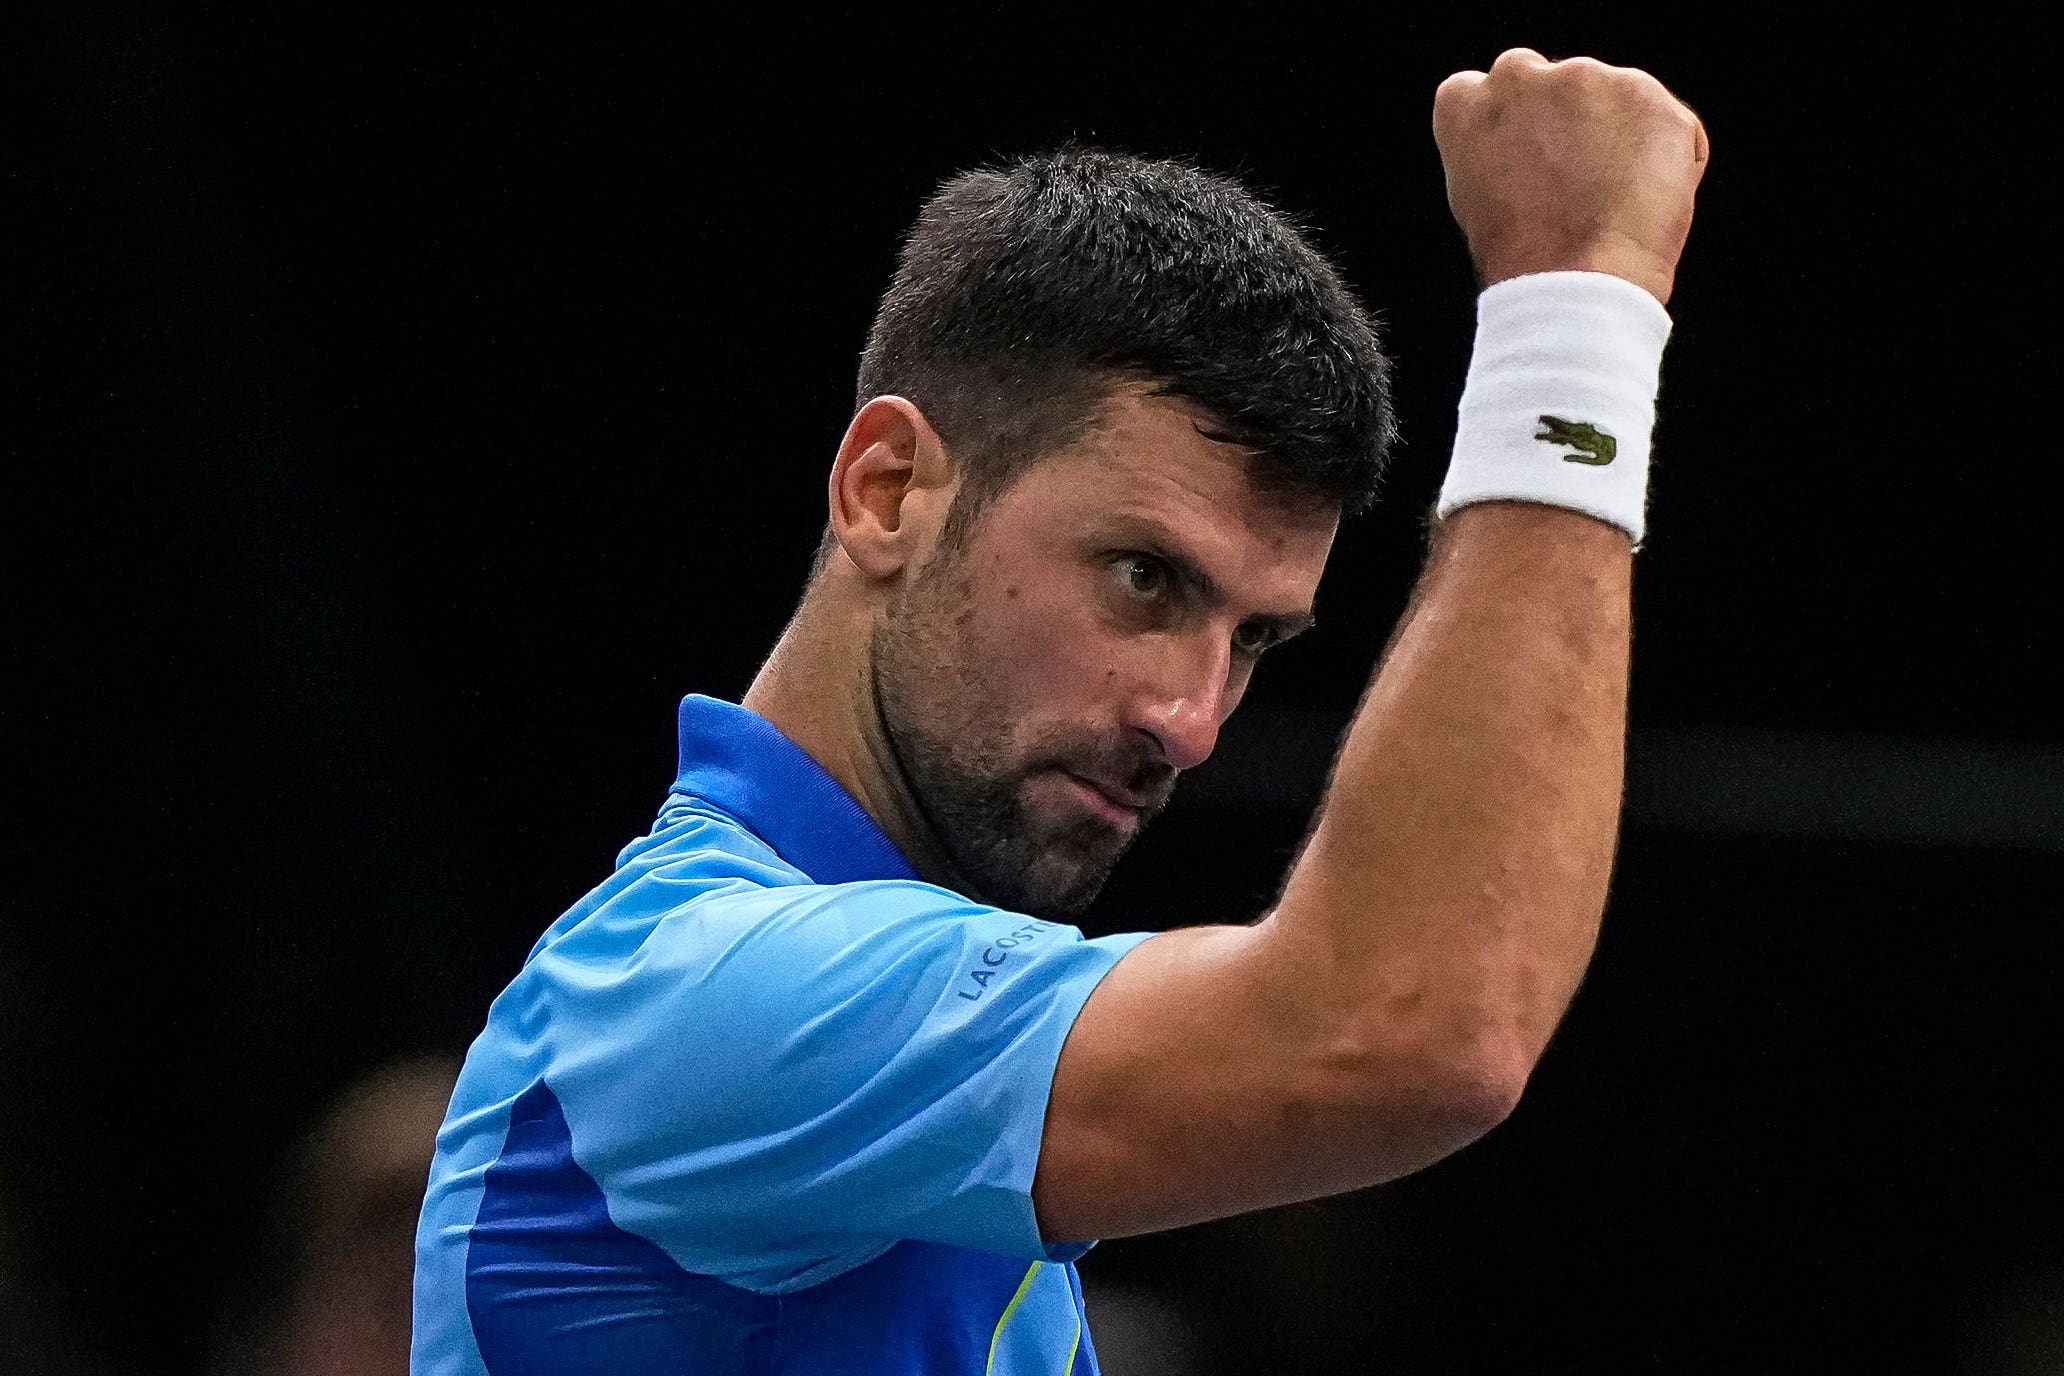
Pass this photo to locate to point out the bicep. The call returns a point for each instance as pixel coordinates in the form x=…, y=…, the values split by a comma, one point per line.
x=1207, y=1076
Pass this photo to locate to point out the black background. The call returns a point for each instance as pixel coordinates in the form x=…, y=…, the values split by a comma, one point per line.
x=410, y=409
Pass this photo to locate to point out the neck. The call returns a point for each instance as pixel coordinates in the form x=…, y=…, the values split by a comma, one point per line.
x=817, y=688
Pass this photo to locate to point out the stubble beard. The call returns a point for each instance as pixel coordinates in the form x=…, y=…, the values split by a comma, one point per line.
x=952, y=744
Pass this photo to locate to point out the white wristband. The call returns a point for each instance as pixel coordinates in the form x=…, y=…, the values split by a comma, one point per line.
x=1561, y=397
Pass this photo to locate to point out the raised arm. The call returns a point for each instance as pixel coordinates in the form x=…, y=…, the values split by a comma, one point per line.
x=1391, y=1007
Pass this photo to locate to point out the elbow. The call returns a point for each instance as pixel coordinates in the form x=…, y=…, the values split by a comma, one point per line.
x=1475, y=1085
x=1416, y=1108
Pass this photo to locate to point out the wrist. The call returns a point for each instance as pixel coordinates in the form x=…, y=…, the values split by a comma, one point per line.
x=1560, y=400
x=1618, y=256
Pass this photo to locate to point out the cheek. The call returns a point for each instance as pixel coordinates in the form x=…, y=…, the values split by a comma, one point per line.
x=1238, y=675
x=1051, y=651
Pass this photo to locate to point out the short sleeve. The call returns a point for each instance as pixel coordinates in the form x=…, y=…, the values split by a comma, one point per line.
x=779, y=1084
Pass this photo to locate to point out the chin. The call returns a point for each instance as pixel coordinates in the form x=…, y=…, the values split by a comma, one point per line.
x=1045, y=862
x=1058, y=889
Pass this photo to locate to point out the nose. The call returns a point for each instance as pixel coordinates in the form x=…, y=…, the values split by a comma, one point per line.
x=1184, y=699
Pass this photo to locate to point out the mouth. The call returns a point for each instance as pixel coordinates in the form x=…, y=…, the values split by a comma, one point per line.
x=1120, y=809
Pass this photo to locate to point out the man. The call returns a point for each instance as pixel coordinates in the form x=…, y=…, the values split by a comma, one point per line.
x=815, y=1082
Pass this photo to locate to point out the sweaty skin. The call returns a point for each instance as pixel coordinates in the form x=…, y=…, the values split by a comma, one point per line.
x=1391, y=1006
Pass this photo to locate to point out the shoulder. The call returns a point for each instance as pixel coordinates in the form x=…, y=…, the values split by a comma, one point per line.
x=812, y=942
x=702, y=921
x=740, y=971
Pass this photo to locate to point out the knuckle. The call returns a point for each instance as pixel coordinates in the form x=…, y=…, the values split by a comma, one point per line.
x=1645, y=86
x=1452, y=96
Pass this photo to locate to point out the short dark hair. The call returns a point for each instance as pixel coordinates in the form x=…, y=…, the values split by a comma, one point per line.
x=1026, y=291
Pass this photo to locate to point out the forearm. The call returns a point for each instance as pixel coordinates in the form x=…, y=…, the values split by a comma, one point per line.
x=1452, y=888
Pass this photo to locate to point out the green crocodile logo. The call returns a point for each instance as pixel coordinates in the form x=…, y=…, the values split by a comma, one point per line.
x=1592, y=444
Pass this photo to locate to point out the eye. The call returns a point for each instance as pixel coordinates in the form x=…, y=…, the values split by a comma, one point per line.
x=1252, y=640
x=1143, y=576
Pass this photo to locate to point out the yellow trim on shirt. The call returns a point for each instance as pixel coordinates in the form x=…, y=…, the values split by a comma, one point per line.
x=1024, y=1287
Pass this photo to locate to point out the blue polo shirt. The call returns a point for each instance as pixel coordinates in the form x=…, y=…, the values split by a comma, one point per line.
x=763, y=1102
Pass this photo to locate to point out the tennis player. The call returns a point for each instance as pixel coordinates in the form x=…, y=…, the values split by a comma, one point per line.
x=819, y=1080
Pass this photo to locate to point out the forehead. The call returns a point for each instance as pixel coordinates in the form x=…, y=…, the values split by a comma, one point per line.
x=1149, y=468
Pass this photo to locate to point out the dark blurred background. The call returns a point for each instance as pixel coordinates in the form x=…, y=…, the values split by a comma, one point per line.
x=408, y=410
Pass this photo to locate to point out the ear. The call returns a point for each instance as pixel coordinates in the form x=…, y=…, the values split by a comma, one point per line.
x=890, y=487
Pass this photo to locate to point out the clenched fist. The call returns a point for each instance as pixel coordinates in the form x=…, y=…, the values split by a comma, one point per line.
x=1569, y=165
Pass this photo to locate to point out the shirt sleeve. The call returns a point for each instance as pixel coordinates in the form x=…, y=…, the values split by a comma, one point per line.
x=778, y=1085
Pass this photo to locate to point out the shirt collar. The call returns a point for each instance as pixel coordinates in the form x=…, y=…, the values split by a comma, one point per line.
x=739, y=762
